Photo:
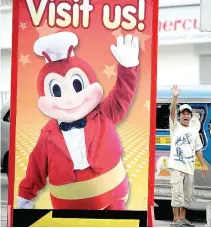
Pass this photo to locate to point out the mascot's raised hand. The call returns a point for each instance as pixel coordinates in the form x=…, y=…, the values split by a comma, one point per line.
x=127, y=51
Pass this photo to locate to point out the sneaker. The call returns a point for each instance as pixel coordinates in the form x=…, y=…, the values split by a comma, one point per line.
x=187, y=223
x=178, y=224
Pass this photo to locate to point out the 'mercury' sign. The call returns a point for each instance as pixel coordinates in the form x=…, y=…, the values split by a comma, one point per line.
x=183, y=24
x=180, y=25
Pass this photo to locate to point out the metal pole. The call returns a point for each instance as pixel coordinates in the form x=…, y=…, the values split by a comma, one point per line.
x=205, y=16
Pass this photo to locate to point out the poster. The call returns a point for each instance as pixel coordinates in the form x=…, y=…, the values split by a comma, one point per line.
x=91, y=63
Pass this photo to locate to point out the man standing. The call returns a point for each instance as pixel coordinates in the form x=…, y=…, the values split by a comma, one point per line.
x=185, y=144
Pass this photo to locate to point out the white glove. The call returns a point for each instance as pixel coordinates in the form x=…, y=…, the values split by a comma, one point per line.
x=24, y=203
x=127, y=51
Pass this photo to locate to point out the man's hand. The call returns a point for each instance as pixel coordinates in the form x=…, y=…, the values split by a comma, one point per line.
x=204, y=170
x=175, y=91
x=199, y=155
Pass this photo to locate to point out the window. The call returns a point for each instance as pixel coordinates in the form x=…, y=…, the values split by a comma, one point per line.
x=205, y=69
x=162, y=122
x=163, y=111
x=5, y=3
x=201, y=113
x=6, y=118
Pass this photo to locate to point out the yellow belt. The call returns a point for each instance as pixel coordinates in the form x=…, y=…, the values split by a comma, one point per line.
x=90, y=188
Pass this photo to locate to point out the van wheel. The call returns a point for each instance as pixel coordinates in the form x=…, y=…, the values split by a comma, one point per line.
x=5, y=162
x=163, y=205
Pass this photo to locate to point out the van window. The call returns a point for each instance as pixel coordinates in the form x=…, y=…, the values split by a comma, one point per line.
x=6, y=118
x=162, y=120
x=201, y=113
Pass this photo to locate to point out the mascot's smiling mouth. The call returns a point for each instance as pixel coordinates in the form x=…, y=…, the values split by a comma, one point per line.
x=70, y=109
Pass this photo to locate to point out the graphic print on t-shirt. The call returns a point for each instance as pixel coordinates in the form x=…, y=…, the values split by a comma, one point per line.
x=180, y=143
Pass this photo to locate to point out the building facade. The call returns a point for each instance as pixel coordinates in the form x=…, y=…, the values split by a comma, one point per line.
x=184, y=54
x=5, y=49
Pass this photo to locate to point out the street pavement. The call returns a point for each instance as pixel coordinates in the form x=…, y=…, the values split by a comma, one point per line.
x=168, y=223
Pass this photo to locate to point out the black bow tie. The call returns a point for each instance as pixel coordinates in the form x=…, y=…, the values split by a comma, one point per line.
x=64, y=126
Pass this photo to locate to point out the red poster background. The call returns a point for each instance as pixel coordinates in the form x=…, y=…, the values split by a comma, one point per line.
x=26, y=66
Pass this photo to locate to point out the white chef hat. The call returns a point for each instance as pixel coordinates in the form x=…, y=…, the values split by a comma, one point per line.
x=56, y=46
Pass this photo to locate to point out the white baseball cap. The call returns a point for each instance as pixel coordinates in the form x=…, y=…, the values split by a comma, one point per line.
x=56, y=45
x=185, y=106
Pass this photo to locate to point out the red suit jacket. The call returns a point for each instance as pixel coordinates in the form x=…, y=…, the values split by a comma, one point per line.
x=50, y=157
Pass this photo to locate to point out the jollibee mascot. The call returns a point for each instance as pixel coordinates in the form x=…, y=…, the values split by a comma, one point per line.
x=79, y=149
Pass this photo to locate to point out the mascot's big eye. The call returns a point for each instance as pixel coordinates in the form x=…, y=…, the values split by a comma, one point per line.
x=55, y=89
x=78, y=83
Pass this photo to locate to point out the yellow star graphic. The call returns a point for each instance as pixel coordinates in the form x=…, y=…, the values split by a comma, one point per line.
x=109, y=71
x=45, y=30
x=143, y=38
x=117, y=33
x=24, y=59
x=147, y=104
x=23, y=25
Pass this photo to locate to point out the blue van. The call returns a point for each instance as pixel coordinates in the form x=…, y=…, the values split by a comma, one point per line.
x=199, y=98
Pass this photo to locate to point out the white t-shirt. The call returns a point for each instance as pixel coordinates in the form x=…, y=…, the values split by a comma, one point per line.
x=185, y=141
